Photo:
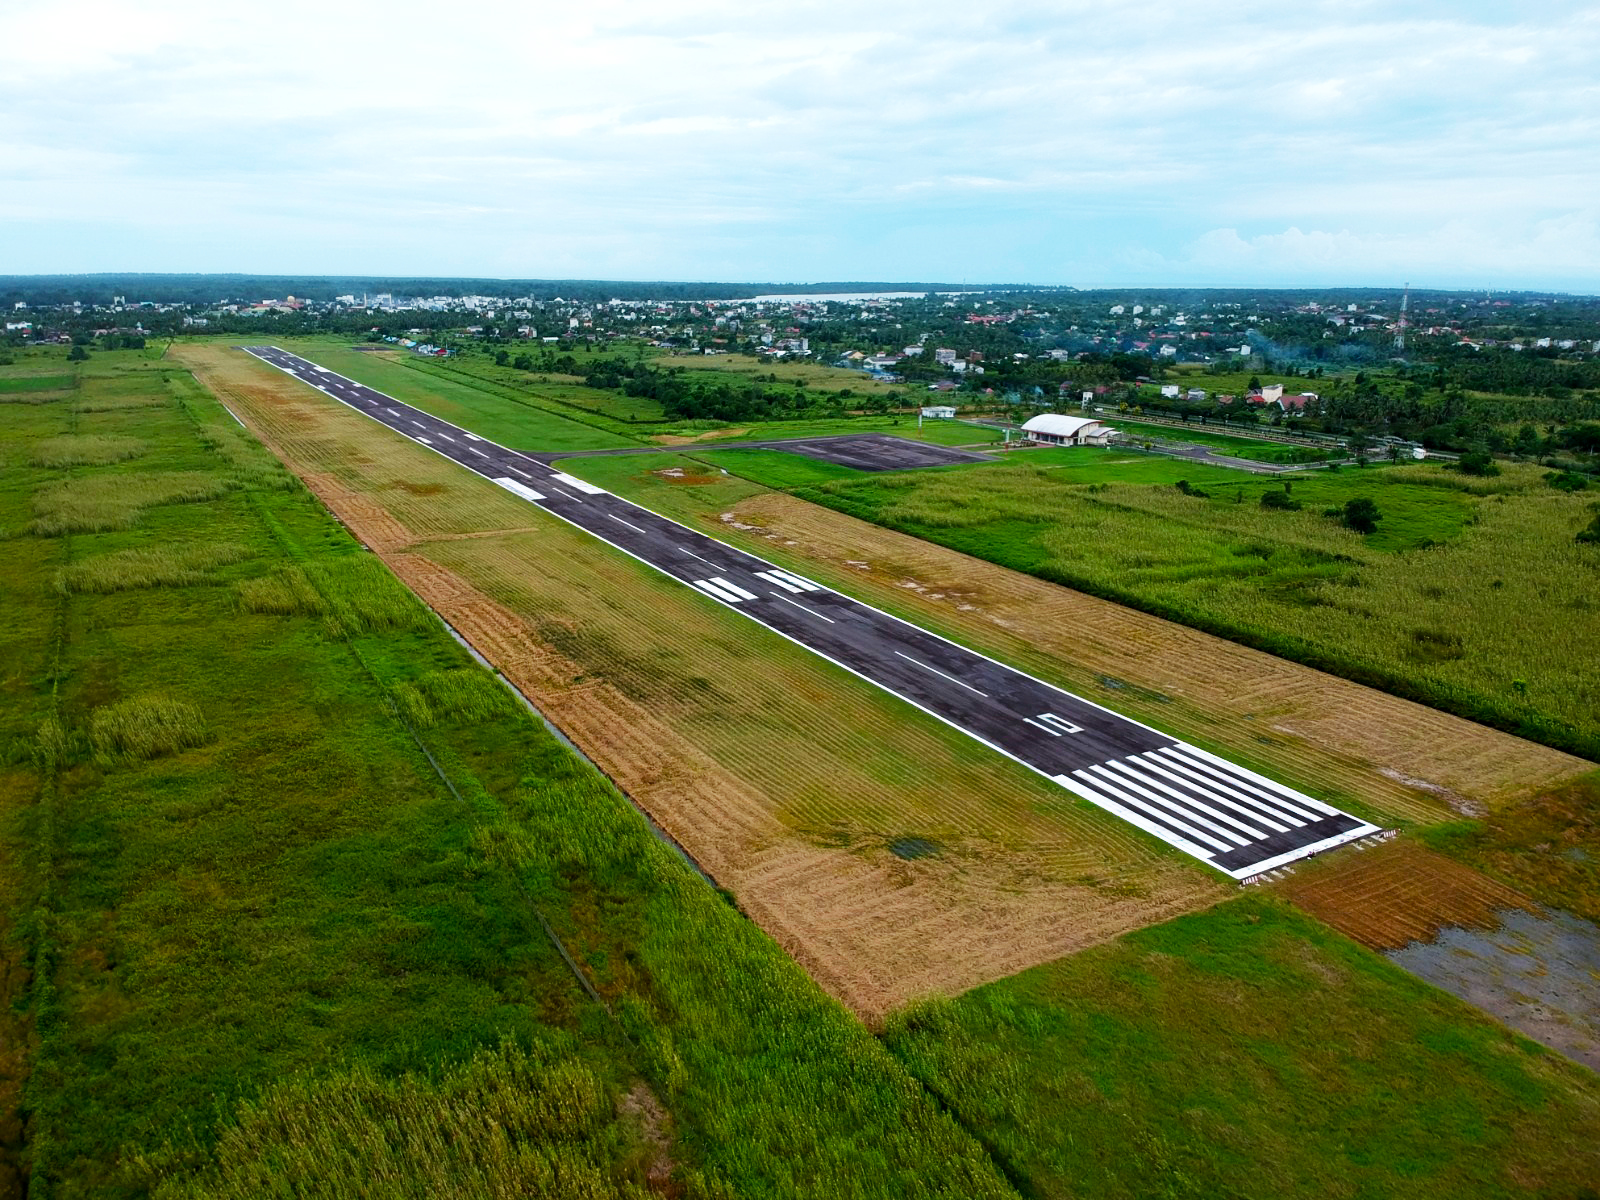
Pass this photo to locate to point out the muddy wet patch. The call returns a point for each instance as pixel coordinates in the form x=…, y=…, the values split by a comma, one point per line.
x=1538, y=971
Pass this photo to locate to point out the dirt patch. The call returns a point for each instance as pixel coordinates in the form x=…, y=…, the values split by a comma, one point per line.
x=640, y=1106
x=1399, y=893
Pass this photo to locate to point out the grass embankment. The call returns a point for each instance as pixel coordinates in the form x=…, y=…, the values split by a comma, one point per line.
x=1250, y=1052
x=1471, y=596
x=278, y=878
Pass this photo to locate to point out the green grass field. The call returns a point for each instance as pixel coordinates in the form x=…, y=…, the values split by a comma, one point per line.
x=281, y=863
x=1250, y=1052
x=1471, y=596
x=1240, y=447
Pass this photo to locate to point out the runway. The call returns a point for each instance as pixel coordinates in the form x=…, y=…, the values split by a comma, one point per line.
x=1229, y=818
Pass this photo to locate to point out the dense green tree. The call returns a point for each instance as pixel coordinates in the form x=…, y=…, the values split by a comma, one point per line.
x=1361, y=515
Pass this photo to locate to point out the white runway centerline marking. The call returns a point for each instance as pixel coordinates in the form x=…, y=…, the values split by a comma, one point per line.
x=692, y=554
x=801, y=607
x=629, y=524
x=942, y=675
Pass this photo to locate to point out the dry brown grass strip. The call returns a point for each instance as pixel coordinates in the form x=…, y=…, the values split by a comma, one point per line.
x=1399, y=893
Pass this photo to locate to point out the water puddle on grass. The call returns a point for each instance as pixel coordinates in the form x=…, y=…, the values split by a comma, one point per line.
x=1537, y=972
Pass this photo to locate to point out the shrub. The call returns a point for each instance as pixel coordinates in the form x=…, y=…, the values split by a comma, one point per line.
x=1361, y=515
x=1279, y=500
x=1188, y=489
x=1566, y=481
x=1591, y=532
x=1477, y=462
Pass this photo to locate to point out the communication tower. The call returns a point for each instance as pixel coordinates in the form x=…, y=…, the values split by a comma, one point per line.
x=1400, y=329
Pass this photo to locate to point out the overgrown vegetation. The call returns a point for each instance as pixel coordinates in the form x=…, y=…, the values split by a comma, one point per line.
x=149, y=566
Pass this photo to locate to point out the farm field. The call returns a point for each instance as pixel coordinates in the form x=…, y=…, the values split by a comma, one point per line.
x=791, y=781
x=1249, y=1051
x=285, y=870
x=1471, y=595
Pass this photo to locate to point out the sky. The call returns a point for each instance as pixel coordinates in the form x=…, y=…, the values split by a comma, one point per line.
x=1093, y=144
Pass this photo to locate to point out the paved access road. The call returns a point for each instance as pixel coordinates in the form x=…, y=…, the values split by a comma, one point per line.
x=1227, y=817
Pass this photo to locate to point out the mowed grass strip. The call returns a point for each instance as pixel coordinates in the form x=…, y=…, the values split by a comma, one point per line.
x=461, y=400
x=1250, y=1052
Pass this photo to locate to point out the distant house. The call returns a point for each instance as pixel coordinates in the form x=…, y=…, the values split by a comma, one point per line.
x=943, y=385
x=1170, y=391
x=1056, y=429
x=1295, y=403
x=940, y=412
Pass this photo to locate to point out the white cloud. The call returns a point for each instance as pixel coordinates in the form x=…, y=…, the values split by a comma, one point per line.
x=799, y=140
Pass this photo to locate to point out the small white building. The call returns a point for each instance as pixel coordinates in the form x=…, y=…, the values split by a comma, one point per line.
x=939, y=412
x=1056, y=429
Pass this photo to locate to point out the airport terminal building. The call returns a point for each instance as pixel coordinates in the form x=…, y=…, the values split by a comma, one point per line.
x=1054, y=429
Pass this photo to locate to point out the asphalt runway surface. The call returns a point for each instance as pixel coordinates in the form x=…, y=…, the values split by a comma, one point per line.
x=876, y=452
x=1232, y=819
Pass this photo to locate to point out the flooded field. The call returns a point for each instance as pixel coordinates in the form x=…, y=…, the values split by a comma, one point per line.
x=1539, y=972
